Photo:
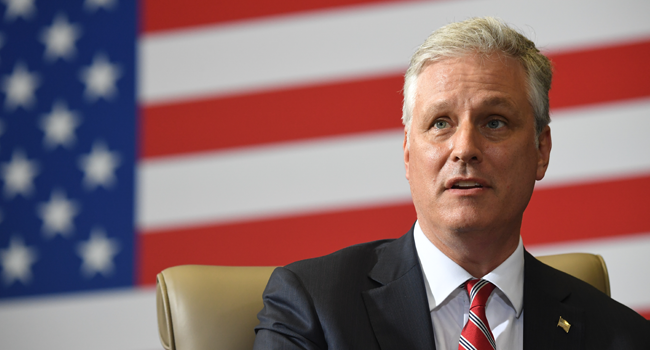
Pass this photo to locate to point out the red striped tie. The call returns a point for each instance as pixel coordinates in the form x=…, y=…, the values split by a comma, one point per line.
x=476, y=334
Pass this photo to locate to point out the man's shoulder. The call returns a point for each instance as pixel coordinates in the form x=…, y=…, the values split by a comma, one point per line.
x=601, y=312
x=581, y=292
x=338, y=278
x=319, y=302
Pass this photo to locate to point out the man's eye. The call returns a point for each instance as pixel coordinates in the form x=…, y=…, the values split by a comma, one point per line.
x=441, y=124
x=495, y=124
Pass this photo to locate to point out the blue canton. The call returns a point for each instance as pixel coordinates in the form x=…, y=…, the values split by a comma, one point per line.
x=67, y=146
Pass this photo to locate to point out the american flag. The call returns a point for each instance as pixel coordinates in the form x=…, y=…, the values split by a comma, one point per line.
x=135, y=136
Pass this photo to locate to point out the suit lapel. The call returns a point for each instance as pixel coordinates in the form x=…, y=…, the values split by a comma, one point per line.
x=398, y=308
x=543, y=307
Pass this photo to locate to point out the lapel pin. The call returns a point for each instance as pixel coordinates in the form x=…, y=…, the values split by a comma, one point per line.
x=562, y=323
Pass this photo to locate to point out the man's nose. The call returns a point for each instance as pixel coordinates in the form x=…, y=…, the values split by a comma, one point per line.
x=466, y=144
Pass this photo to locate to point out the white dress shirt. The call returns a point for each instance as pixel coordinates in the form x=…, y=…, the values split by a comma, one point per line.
x=449, y=303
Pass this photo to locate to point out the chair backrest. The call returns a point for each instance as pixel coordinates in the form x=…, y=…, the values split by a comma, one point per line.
x=590, y=268
x=209, y=307
x=215, y=307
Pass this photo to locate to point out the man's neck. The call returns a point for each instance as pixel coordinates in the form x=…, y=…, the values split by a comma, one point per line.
x=478, y=252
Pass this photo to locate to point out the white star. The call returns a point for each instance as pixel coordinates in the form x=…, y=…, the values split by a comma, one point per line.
x=59, y=126
x=19, y=175
x=19, y=87
x=57, y=215
x=100, y=78
x=59, y=39
x=19, y=8
x=93, y=5
x=17, y=262
x=97, y=254
x=99, y=166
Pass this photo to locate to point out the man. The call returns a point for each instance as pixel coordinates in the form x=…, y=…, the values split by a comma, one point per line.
x=476, y=140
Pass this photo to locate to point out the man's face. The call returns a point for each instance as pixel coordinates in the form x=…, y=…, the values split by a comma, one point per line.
x=471, y=160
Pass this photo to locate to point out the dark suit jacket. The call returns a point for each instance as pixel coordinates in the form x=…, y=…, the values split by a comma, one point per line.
x=372, y=296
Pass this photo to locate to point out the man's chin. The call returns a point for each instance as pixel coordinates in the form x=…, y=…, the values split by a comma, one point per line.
x=468, y=222
x=467, y=228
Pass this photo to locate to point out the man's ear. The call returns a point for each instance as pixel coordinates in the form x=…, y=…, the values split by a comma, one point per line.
x=406, y=153
x=543, y=152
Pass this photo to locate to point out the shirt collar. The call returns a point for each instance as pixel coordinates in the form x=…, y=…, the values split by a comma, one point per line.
x=447, y=275
x=509, y=277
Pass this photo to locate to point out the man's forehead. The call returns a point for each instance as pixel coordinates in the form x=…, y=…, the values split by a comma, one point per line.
x=446, y=104
x=450, y=68
x=496, y=80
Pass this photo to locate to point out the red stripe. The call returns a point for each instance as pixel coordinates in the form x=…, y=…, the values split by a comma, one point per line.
x=302, y=113
x=554, y=215
x=592, y=210
x=584, y=77
x=159, y=15
x=269, y=242
x=601, y=75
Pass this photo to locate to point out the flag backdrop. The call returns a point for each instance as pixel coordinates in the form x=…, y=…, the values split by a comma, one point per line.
x=135, y=136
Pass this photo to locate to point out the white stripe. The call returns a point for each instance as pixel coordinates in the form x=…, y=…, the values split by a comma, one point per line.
x=627, y=259
x=355, y=42
x=362, y=170
x=270, y=181
x=599, y=142
x=124, y=320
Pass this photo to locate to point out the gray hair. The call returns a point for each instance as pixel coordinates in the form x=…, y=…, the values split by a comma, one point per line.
x=485, y=36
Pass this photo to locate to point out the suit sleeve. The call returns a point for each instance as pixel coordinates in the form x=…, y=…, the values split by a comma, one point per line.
x=288, y=319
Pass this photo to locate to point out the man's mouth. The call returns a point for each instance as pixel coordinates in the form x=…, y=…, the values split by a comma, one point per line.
x=466, y=185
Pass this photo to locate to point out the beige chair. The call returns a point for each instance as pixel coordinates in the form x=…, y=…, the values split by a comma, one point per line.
x=215, y=307
x=590, y=268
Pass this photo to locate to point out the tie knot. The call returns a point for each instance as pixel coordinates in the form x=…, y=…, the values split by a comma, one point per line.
x=479, y=291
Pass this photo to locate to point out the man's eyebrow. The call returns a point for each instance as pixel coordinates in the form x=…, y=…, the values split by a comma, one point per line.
x=439, y=104
x=493, y=101
x=498, y=101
